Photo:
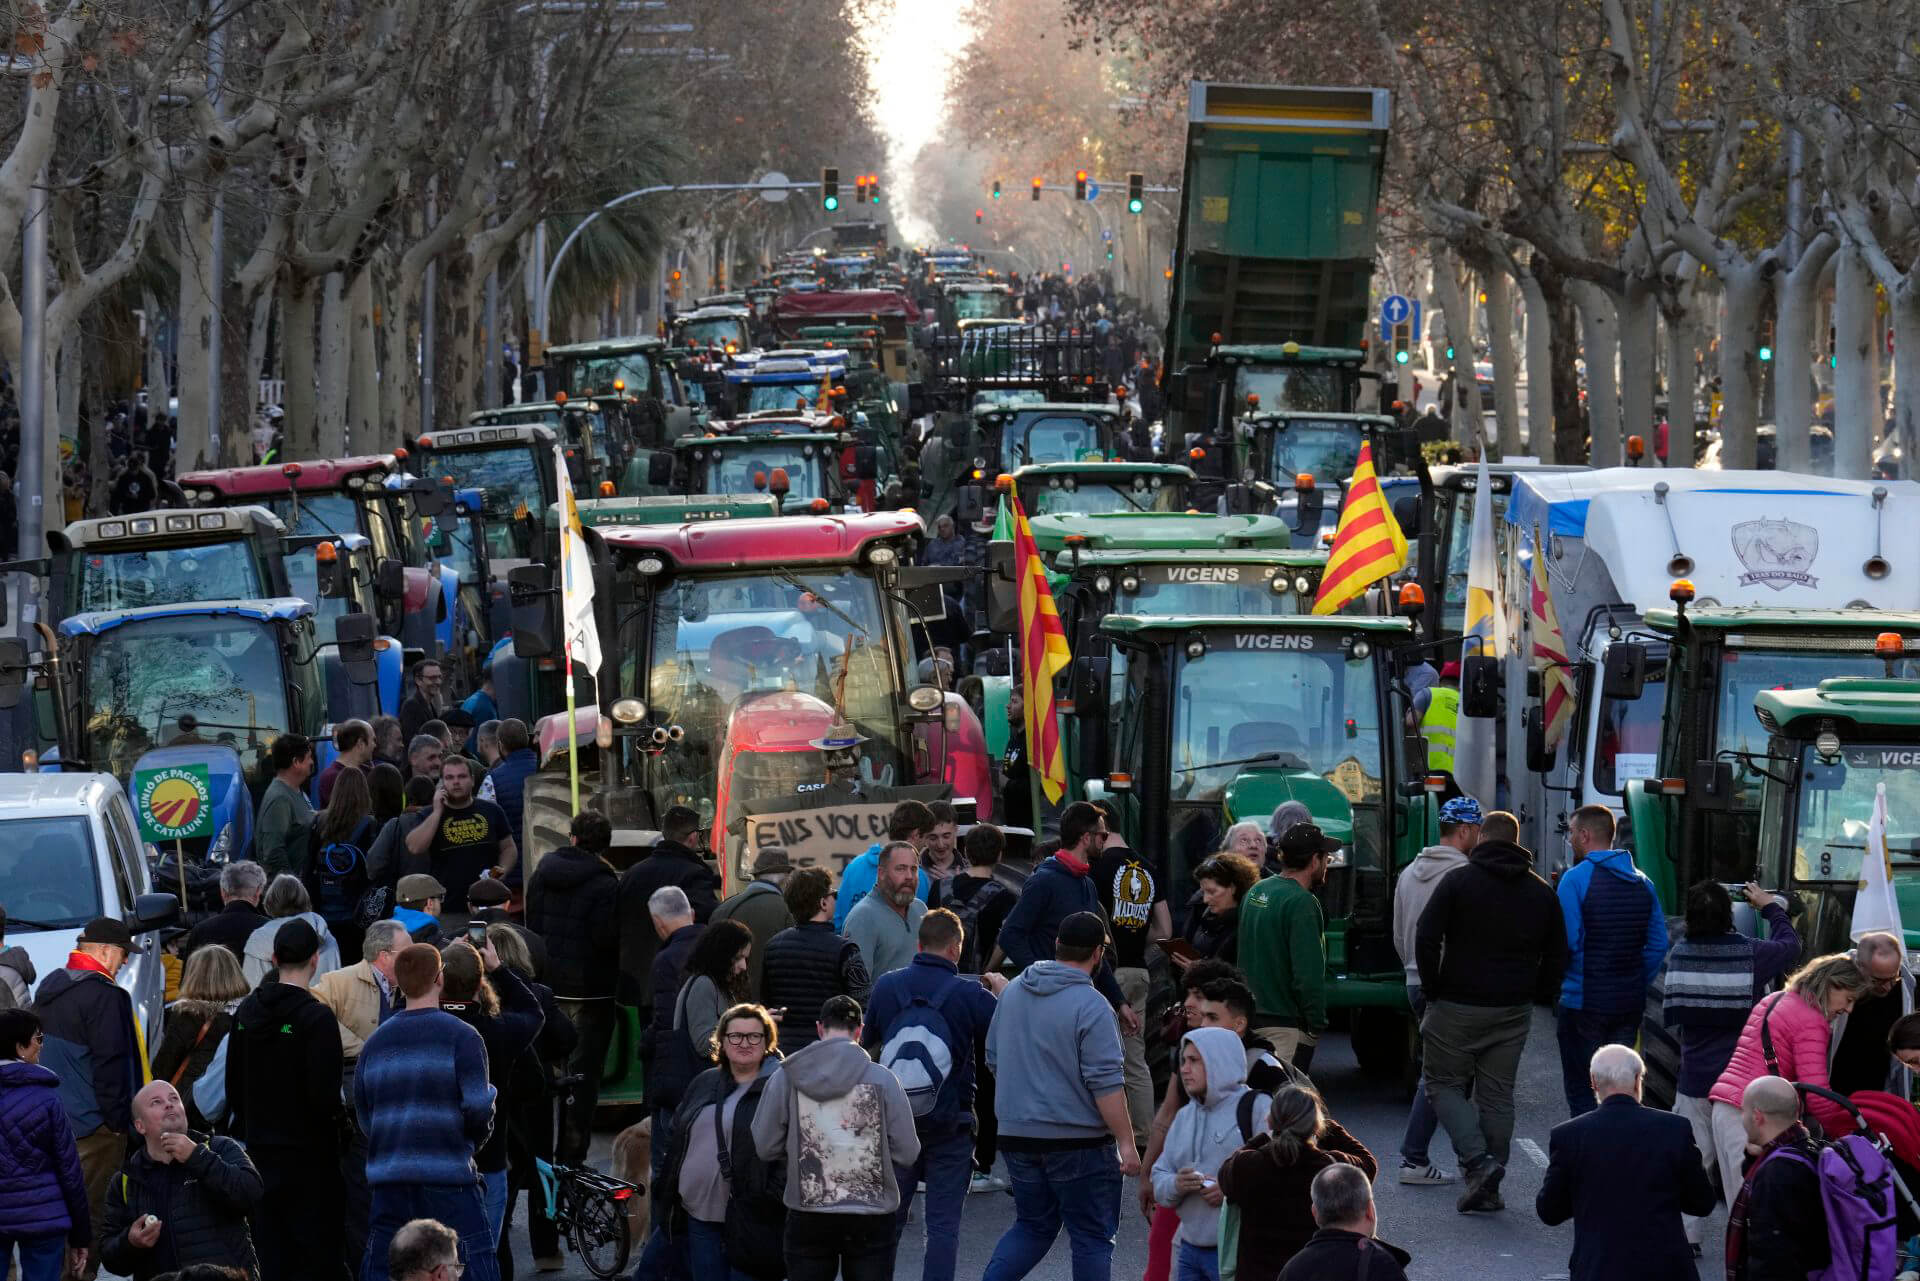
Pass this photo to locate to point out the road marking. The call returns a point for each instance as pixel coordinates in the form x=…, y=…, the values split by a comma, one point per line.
x=1533, y=1152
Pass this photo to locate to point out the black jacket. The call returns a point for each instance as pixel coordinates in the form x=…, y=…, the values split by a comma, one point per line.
x=757, y=1186
x=1786, y=1220
x=230, y=927
x=670, y=863
x=284, y=1067
x=1492, y=934
x=669, y=971
x=570, y=903
x=1335, y=1255
x=91, y=1045
x=202, y=1204
x=1625, y=1174
x=508, y=1036
x=806, y=965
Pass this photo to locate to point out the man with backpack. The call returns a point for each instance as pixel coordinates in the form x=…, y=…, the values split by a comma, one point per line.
x=1777, y=1228
x=925, y=1024
x=1136, y=907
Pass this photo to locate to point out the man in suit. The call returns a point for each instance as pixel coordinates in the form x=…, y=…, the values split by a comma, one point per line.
x=1625, y=1174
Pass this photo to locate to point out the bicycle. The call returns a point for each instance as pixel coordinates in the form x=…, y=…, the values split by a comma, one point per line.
x=587, y=1207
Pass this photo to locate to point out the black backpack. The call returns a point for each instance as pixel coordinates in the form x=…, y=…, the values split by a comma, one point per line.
x=337, y=877
x=969, y=912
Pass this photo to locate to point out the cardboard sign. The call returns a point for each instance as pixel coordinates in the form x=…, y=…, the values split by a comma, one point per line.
x=174, y=802
x=825, y=827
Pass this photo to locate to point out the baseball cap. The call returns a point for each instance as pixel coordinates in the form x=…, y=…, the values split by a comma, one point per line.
x=1303, y=840
x=107, y=930
x=418, y=887
x=295, y=943
x=1082, y=929
x=1461, y=809
x=772, y=859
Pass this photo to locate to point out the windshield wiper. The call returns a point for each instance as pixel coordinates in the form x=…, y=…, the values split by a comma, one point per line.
x=1261, y=758
x=1127, y=497
x=17, y=922
x=787, y=576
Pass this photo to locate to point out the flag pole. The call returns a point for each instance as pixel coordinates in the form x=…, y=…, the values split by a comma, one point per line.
x=566, y=649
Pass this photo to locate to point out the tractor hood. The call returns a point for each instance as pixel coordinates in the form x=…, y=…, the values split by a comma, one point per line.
x=1258, y=790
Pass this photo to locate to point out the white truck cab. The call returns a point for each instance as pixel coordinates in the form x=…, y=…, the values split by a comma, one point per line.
x=70, y=851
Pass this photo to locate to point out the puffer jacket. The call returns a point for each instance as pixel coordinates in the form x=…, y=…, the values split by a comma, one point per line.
x=805, y=966
x=571, y=903
x=203, y=1203
x=41, y=1189
x=1616, y=934
x=1801, y=1037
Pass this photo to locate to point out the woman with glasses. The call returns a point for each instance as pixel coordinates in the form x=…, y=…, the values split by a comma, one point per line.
x=716, y=1204
x=43, y=1199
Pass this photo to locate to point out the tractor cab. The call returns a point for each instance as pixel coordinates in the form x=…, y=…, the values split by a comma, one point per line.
x=1089, y=488
x=513, y=468
x=163, y=558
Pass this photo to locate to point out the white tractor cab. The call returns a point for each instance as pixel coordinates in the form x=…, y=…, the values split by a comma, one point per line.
x=71, y=851
x=1771, y=547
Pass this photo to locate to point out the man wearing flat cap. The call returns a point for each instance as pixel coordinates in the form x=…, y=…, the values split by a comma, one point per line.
x=762, y=908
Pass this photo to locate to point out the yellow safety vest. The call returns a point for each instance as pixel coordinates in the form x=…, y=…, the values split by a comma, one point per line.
x=1443, y=714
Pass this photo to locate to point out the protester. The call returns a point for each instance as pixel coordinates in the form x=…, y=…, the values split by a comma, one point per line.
x=241, y=885
x=424, y=1250
x=1616, y=940
x=337, y=877
x=840, y=1125
x=182, y=1199
x=286, y=900
x=1220, y=1115
x=419, y=707
x=717, y=1196
x=198, y=1023
x=353, y=750
x=417, y=901
x=1136, y=910
x=667, y=1071
x=982, y=899
x=390, y=742
x=940, y=856
x=886, y=922
x=1346, y=1247
x=506, y=781
x=43, y=1195
x=461, y=839
x=1625, y=1174
x=1799, y=1037
x=485, y=743
x=926, y=1024
x=910, y=821
x=1410, y=895
x=1213, y=914
x=714, y=979
x=495, y=1002
x=423, y=1099
x=761, y=908
x=1270, y=1179
x=1490, y=943
x=389, y=791
x=284, y=1065
x=528, y=1118
x=1777, y=1228
x=809, y=964
x=426, y=754
x=571, y=902
x=17, y=975
x=1058, y=888
x=1280, y=935
x=1860, y=1060
x=1066, y=1134
x=86, y=1020
x=280, y=829
x=363, y=995
x=671, y=862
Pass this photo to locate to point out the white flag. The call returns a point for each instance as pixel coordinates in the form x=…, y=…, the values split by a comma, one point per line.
x=581, y=637
x=1473, y=766
x=1875, y=909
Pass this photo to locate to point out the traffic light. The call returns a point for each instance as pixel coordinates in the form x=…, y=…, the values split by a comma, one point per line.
x=1037, y=183
x=829, y=189
x=1136, y=192
x=873, y=188
x=859, y=189
x=1403, y=342
x=1449, y=351
x=979, y=215
x=996, y=189
x=1080, y=184
x=1766, y=341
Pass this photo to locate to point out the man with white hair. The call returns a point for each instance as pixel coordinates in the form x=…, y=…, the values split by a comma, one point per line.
x=1860, y=1060
x=672, y=913
x=1625, y=1174
x=1345, y=1248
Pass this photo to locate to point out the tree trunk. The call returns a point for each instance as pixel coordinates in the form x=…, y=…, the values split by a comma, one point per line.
x=1463, y=411
x=1639, y=324
x=1745, y=294
x=260, y=335
x=1904, y=303
x=1506, y=368
x=1540, y=368
x=239, y=377
x=1796, y=300
x=299, y=305
x=330, y=417
x=363, y=372
x=461, y=328
x=1682, y=377
x=1599, y=340
x=192, y=447
x=1857, y=416
x=158, y=388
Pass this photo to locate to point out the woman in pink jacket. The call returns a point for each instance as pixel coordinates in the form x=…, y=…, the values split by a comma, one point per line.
x=1798, y=1024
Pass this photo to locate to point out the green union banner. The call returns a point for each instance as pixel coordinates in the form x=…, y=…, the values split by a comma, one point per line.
x=174, y=803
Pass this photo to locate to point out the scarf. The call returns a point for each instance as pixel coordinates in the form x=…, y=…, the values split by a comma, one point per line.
x=77, y=960
x=1795, y=1138
x=1713, y=978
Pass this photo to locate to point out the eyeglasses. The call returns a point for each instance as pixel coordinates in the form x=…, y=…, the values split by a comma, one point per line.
x=455, y=1268
x=745, y=1038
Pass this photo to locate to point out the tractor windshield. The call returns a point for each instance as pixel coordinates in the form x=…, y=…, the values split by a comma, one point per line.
x=1307, y=387
x=1836, y=803
x=763, y=396
x=166, y=576
x=1057, y=438
x=729, y=332
x=1088, y=495
x=750, y=470
x=160, y=681
x=1745, y=672
x=320, y=513
x=510, y=480
x=1160, y=591
x=303, y=576
x=597, y=374
x=1325, y=449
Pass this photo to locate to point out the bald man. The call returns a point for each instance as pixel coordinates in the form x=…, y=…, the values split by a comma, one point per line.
x=183, y=1197
x=1860, y=1058
x=1625, y=1174
x=1785, y=1232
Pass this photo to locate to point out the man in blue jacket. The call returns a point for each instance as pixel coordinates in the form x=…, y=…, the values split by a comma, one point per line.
x=1616, y=940
x=910, y=1006
x=1059, y=887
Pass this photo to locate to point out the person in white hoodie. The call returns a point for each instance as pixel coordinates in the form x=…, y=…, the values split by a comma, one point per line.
x=1220, y=1114
x=287, y=897
x=1461, y=827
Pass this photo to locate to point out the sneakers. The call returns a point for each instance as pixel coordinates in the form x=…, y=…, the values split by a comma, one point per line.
x=549, y=1263
x=983, y=1182
x=1483, y=1189
x=1426, y=1175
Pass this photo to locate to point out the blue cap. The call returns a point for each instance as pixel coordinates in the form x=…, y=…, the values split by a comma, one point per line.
x=1461, y=809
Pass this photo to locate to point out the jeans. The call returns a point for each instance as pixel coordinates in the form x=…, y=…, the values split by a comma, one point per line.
x=707, y=1250
x=493, y=1194
x=1079, y=1188
x=986, y=1125
x=1422, y=1120
x=946, y=1164
x=1475, y=1048
x=1580, y=1033
x=663, y=1256
x=856, y=1247
x=40, y=1257
x=1699, y=1114
x=593, y=1020
x=1197, y=1263
x=301, y=1188
x=459, y=1206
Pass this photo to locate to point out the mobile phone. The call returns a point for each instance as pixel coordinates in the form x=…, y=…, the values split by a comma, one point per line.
x=477, y=932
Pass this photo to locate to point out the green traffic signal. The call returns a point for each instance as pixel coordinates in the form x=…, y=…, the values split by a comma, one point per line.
x=1449, y=353
x=1766, y=353
x=1833, y=362
x=832, y=203
x=1135, y=206
x=1400, y=358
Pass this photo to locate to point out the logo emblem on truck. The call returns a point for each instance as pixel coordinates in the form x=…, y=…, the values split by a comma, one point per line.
x=1777, y=553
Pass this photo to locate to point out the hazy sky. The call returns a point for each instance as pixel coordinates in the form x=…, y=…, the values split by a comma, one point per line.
x=910, y=48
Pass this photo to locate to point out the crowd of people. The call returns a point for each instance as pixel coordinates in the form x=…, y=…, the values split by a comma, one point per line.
x=360, y=1069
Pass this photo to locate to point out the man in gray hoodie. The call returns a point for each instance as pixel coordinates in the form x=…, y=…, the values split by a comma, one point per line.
x=1461, y=828
x=1220, y=1114
x=1065, y=1131
x=842, y=1123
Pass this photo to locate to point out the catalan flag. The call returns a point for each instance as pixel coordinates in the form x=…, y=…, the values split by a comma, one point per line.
x=1043, y=649
x=1367, y=544
x=1549, y=651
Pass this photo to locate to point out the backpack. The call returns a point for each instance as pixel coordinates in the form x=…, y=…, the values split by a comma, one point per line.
x=1856, y=1189
x=337, y=874
x=969, y=912
x=919, y=1050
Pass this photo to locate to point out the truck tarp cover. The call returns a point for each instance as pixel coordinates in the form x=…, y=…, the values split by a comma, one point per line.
x=856, y=303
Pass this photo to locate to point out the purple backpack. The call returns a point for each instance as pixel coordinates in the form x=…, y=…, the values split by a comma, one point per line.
x=1856, y=1188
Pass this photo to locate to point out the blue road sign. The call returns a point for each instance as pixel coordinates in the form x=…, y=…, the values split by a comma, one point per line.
x=1093, y=190
x=1395, y=310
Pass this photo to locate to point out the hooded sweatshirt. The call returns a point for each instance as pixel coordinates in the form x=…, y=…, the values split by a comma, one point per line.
x=1054, y=1035
x=842, y=1122
x=1205, y=1132
x=1616, y=934
x=1410, y=895
x=16, y=978
x=1492, y=933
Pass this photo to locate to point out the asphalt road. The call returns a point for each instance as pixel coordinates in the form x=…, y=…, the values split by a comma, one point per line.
x=1447, y=1246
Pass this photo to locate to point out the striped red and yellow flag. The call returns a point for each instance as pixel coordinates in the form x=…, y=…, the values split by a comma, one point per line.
x=1549, y=653
x=1367, y=544
x=1043, y=652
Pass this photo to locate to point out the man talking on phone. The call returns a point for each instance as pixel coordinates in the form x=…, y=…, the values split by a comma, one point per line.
x=461, y=839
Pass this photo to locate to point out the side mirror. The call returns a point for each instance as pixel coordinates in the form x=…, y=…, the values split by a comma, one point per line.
x=1710, y=785
x=531, y=611
x=1003, y=602
x=577, y=468
x=1088, y=681
x=1176, y=388
x=431, y=498
x=1406, y=510
x=1539, y=755
x=1239, y=499
x=1479, y=686
x=333, y=579
x=353, y=633
x=866, y=462
x=1311, y=503
x=389, y=579
x=1414, y=748
x=970, y=505
x=154, y=912
x=1624, y=671
x=13, y=671
x=660, y=469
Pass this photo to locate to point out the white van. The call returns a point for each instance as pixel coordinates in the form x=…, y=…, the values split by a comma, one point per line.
x=71, y=851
